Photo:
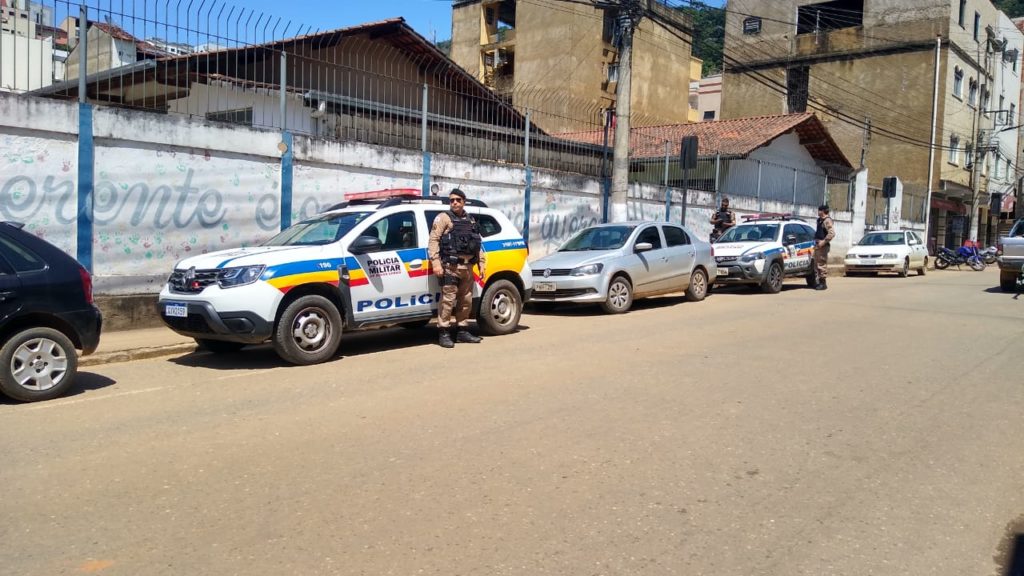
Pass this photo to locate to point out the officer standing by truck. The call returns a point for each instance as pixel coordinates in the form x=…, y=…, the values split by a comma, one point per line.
x=722, y=220
x=455, y=246
x=822, y=242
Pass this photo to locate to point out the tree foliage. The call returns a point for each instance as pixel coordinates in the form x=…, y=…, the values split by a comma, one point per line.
x=1012, y=8
x=709, y=35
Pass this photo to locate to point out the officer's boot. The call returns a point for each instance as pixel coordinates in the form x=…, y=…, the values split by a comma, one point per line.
x=822, y=285
x=466, y=337
x=444, y=338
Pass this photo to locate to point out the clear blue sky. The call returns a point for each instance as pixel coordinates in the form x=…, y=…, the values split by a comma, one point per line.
x=431, y=18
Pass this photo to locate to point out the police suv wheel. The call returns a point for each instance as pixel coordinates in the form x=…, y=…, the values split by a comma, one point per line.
x=37, y=364
x=309, y=331
x=772, y=279
x=500, y=308
x=620, y=296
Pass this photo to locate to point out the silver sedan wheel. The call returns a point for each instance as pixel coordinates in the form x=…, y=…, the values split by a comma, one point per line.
x=39, y=364
x=620, y=296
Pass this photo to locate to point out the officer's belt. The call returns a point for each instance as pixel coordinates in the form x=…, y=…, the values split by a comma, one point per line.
x=458, y=259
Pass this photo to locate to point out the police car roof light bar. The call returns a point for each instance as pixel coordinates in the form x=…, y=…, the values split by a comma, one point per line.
x=414, y=199
x=770, y=216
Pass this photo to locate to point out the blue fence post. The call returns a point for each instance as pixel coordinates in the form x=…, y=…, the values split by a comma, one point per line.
x=287, y=172
x=423, y=138
x=528, y=191
x=86, y=185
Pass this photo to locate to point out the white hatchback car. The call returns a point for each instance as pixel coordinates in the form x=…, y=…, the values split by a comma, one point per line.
x=896, y=251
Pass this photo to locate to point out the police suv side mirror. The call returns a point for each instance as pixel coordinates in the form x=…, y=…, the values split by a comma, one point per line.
x=365, y=244
x=643, y=247
x=791, y=239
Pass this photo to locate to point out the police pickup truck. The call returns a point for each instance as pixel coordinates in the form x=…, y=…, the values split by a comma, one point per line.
x=361, y=264
x=764, y=250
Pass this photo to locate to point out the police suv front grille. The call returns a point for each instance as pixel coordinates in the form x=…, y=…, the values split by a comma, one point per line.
x=539, y=272
x=181, y=284
x=722, y=259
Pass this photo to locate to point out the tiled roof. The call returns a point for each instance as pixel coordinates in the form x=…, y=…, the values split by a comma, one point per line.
x=737, y=137
x=118, y=33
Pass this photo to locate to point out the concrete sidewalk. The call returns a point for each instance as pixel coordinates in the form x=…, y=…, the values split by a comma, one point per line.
x=128, y=345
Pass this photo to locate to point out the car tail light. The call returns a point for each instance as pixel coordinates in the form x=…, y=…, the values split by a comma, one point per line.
x=712, y=251
x=86, y=284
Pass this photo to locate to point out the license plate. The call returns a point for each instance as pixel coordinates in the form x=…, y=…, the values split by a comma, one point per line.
x=544, y=286
x=868, y=262
x=176, y=310
x=723, y=271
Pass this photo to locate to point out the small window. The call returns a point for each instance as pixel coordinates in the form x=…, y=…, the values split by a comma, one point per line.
x=675, y=236
x=240, y=116
x=963, y=13
x=1013, y=114
x=709, y=115
x=958, y=82
x=986, y=97
x=968, y=155
x=954, y=150
x=977, y=25
x=21, y=258
x=972, y=92
x=650, y=234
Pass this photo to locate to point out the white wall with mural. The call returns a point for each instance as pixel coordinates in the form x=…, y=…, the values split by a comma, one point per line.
x=167, y=187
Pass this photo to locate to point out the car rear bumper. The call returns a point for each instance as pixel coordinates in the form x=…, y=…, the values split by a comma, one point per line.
x=1014, y=264
x=203, y=321
x=88, y=324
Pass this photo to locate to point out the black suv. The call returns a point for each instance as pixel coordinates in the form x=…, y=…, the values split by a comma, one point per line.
x=46, y=312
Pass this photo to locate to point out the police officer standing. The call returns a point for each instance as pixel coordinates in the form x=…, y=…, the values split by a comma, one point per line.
x=722, y=220
x=822, y=241
x=455, y=246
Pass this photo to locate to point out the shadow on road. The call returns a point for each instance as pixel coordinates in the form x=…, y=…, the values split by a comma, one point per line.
x=262, y=356
x=84, y=382
x=571, y=309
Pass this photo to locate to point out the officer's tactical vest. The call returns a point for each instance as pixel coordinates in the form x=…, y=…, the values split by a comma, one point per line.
x=821, y=233
x=463, y=240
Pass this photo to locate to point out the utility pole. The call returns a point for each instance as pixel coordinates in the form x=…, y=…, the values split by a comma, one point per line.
x=980, y=149
x=630, y=12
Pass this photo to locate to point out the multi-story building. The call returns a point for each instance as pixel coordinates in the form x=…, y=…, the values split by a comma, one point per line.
x=27, y=46
x=560, y=59
x=868, y=68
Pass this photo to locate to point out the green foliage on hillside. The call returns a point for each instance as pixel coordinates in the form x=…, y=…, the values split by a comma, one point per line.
x=1012, y=8
x=709, y=36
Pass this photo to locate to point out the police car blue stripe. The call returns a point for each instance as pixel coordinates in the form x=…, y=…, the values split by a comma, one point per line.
x=495, y=245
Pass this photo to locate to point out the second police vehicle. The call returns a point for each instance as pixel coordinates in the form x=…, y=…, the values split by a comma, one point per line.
x=765, y=249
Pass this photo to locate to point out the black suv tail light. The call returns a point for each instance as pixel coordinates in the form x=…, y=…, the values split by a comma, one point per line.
x=86, y=284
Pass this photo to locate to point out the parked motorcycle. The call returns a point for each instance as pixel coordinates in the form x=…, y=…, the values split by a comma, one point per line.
x=963, y=255
x=988, y=255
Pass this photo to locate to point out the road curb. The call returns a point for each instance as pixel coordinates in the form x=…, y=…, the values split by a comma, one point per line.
x=136, y=354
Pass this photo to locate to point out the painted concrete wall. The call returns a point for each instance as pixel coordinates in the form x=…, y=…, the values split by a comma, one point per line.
x=168, y=187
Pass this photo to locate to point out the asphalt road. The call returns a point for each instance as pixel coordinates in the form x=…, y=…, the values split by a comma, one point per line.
x=874, y=428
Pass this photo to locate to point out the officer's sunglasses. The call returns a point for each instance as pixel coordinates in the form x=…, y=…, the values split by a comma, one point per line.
x=456, y=199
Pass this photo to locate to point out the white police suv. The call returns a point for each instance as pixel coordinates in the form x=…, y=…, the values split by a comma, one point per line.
x=764, y=250
x=360, y=264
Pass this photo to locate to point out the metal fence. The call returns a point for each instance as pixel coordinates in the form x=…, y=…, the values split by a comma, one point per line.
x=378, y=83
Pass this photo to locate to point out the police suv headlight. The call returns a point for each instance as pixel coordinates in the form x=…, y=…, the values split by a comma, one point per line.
x=232, y=277
x=588, y=270
x=890, y=256
x=851, y=256
x=752, y=257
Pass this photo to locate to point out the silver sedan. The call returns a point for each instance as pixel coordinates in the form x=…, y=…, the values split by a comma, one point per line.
x=612, y=264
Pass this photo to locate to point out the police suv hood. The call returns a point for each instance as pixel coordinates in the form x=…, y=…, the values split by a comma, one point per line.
x=741, y=248
x=573, y=259
x=253, y=256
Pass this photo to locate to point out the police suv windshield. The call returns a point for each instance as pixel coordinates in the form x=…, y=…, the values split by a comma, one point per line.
x=750, y=233
x=598, y=238
x=318, y=231
x=882, y=239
